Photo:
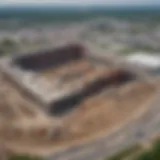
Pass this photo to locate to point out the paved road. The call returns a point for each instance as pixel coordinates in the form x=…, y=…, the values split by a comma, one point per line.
x=140, y=129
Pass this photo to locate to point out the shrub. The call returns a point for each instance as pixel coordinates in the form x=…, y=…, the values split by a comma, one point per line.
x=24, y=157
x=7, y=45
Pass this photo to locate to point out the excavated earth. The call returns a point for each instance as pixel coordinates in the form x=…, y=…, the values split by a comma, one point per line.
x=104, y=97
x=24, y=124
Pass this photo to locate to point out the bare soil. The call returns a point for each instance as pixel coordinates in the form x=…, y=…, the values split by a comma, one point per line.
x=23, y=123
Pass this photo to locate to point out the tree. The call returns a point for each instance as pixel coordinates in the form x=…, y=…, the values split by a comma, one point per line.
x=7, y=45
x=153, y=154
x=24, y=157
x=147, y=155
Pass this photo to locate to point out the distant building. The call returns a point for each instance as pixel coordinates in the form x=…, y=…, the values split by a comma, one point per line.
x=146, y=61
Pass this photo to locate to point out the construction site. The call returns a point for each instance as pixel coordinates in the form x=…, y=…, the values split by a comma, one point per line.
x=64, y=95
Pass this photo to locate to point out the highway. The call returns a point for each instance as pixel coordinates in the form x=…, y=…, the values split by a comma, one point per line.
x=140, y=129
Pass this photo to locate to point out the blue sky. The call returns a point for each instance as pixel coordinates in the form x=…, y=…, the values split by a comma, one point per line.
x=81, y=2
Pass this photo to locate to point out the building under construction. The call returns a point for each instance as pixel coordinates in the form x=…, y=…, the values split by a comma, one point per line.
x=62, y=78
x=63, y=95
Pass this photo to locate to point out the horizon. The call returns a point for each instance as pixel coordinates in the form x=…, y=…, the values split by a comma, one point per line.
x=79, y=3
x=79, y=6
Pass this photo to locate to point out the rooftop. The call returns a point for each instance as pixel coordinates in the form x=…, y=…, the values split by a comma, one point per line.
x=146, y=60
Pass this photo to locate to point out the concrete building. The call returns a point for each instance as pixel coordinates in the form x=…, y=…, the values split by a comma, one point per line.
x=147, y=61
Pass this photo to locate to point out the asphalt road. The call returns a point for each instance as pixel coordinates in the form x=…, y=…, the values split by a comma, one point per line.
x=140, y=129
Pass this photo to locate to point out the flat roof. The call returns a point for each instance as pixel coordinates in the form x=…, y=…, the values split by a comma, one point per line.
x=143, y=59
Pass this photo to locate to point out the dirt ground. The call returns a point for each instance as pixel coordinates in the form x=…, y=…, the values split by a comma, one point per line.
x=108, y=109
x=23, y=123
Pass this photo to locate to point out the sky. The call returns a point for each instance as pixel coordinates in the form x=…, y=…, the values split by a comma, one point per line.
x=81, y=2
